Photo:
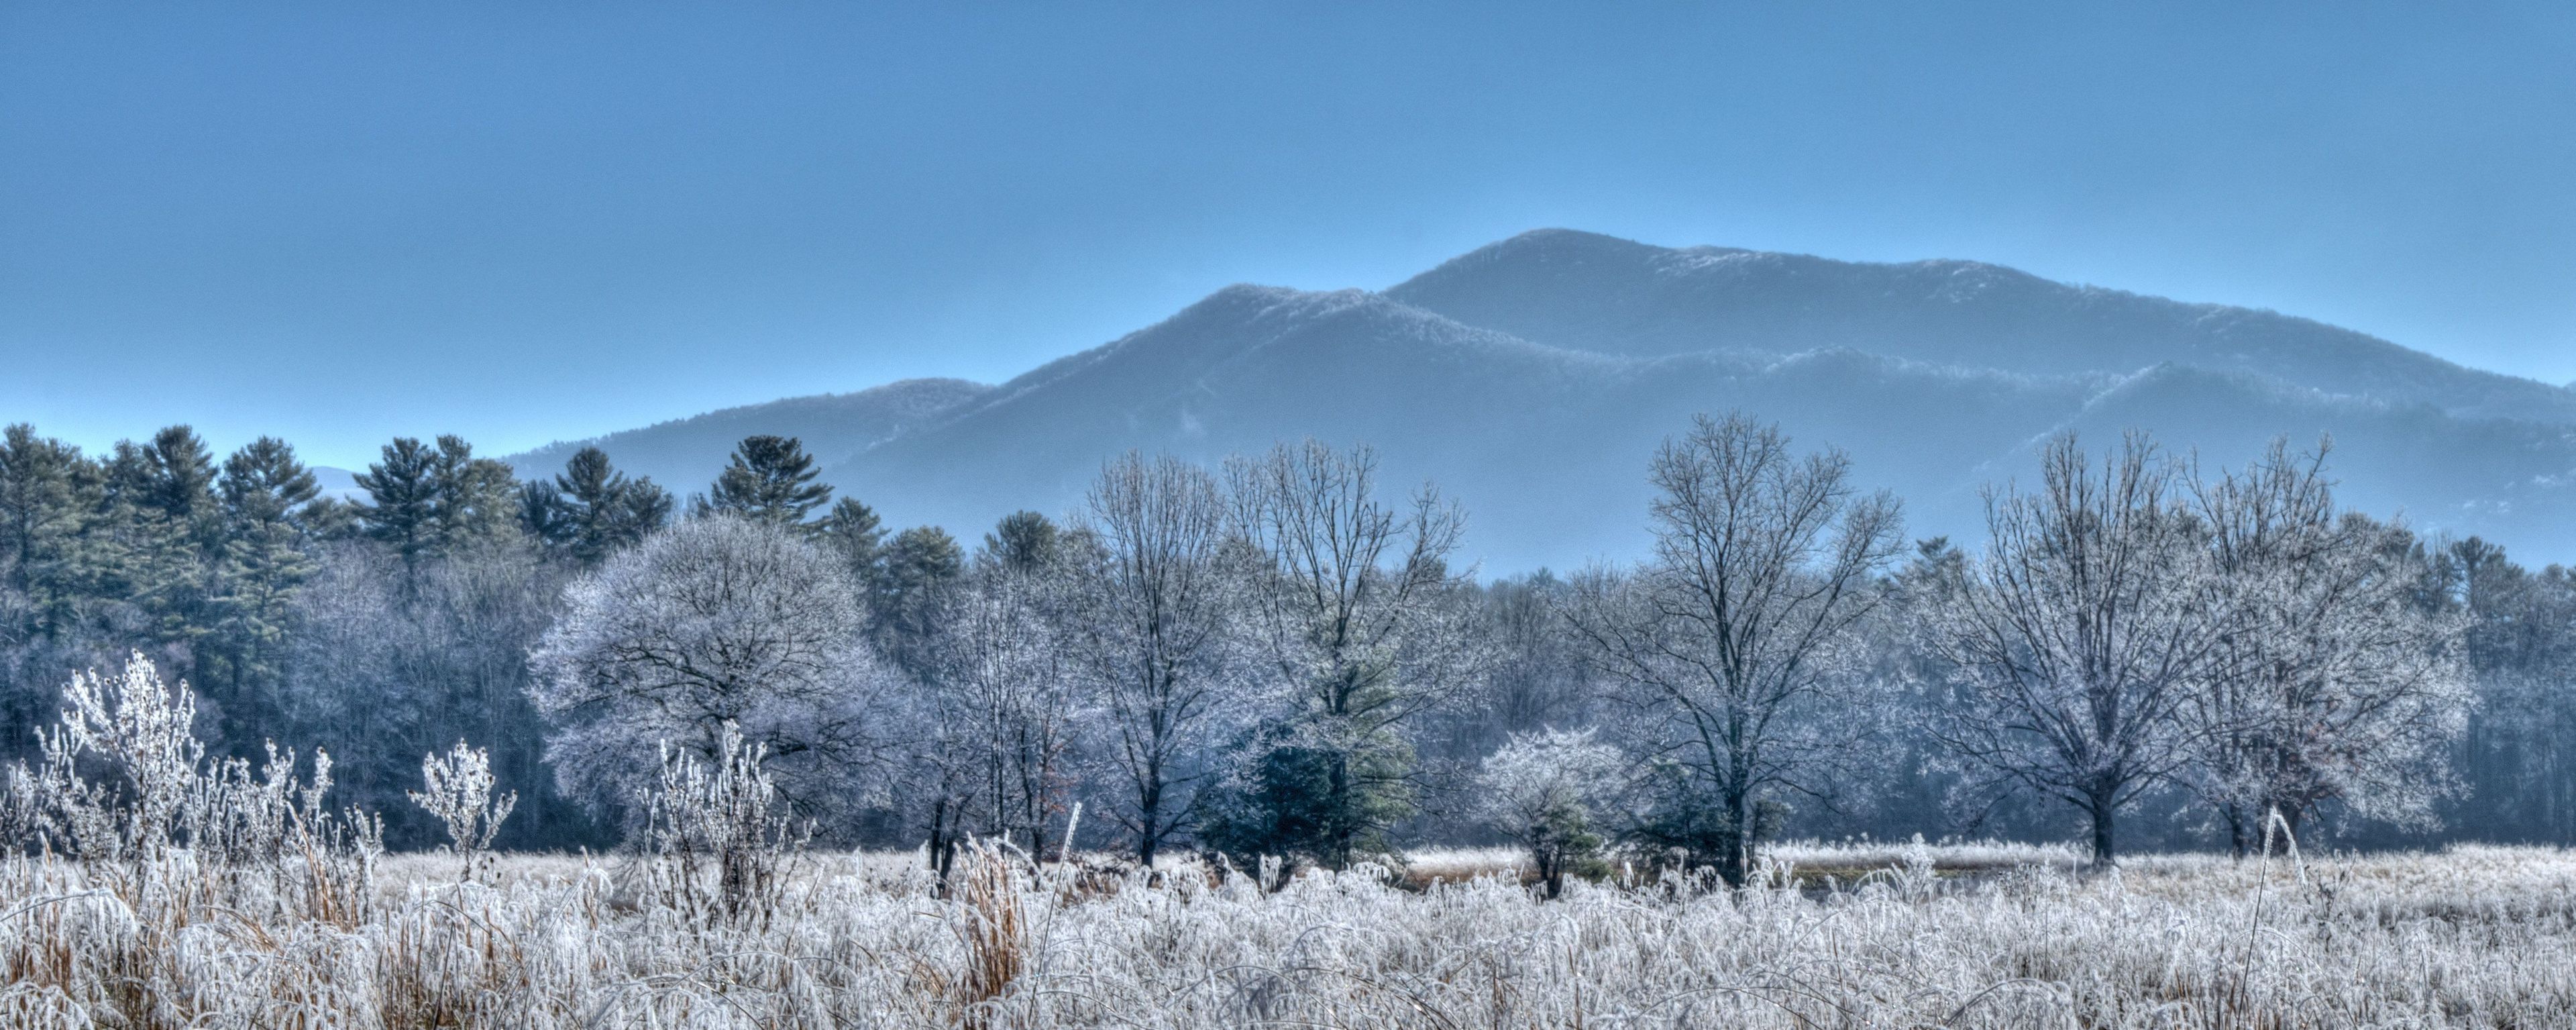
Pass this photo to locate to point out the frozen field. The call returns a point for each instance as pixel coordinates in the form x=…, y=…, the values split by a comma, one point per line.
x=1980, y=936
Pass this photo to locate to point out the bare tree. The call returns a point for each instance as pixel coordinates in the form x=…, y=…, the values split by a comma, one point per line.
x=1734, y=640
x=1150, y=631
x=2329, y=681
x=717, y=621
x=1357, y=624
x=1003, y=700
x=2074, y=639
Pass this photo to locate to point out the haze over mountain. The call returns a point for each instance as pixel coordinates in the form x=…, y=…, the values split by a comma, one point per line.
x=1532, y=378
x=684, y=454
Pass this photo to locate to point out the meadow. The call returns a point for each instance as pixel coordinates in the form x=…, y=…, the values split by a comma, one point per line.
x=1901, y=936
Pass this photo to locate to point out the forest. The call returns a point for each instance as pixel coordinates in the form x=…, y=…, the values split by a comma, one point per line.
x=1283, y=656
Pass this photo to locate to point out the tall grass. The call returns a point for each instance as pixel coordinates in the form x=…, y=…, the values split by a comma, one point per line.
x=2476, y=937
x=157, y=889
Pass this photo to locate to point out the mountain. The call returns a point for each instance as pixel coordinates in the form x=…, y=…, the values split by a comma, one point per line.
x=1532, y=380
x=1597, y=293
x=337, y=482
x=684, y=455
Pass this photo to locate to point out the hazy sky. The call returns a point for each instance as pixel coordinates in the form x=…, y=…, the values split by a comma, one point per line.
x=342, y=222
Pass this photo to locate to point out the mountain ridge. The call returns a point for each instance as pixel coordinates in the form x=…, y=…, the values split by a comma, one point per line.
x=1588, y=291
x=1489, y=375
x=684, y=453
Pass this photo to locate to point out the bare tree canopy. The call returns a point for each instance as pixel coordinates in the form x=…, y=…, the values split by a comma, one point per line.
x=1003, y=706
x=2331, y=679
x=1154, y=606
x=2080, y=632
x=1735, y=636
x=1354, y=617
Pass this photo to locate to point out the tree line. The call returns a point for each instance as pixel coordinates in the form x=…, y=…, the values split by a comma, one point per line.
x=1280, y=655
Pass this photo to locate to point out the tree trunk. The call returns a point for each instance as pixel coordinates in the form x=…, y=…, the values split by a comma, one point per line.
x=1149, y=809
x=938, y=833
x=1735, y=866
x=1339, y=828
x=2102, y=811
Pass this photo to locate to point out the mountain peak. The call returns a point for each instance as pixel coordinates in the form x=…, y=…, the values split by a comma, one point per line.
x=1588, y=292
x=1532, y=378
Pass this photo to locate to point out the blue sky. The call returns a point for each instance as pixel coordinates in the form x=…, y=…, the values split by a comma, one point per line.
x=342, y=222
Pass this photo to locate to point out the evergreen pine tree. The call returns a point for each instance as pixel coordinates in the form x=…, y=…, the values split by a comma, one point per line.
x=1023, y=541
x=179, y=481
x=179, y=492
x=427, y=501
x=40, y=519
x=264, y=562
x=854, y=532
x=330, y=518
x=920, y=566
x=544, y=517
x=477, y=499
x=402, y=503
x=646, y=508
x=770, y=478
x=602, y=510
x=136, y=556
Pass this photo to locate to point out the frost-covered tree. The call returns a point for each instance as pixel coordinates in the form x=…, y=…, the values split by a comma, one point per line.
x=1734, y=645
x=1004, y=708
x=716, y=621
x=2519, y=756
x=2328, y=681
x=1540, y=678
x=1357, y=625
x=1149, y=633
x=1541, y=788
x=2072, y=643
x=381, y=676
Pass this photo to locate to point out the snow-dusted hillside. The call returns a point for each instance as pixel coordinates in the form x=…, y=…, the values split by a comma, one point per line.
x=1532, y=378
x=1592, y=292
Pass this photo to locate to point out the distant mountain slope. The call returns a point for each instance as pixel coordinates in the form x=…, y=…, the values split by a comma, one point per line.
x=336, y=482
x=1592, y=292
x=2510, y=480
x=1533, y=379
x=1547, y=447
x=685, y=454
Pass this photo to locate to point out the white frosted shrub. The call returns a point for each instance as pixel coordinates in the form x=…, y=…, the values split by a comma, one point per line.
x=724, y=821
x=459, y=793
x=1540, y=789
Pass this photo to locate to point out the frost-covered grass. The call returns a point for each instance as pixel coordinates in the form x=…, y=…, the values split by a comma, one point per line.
x=1805, y=860
x=2481, y=937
